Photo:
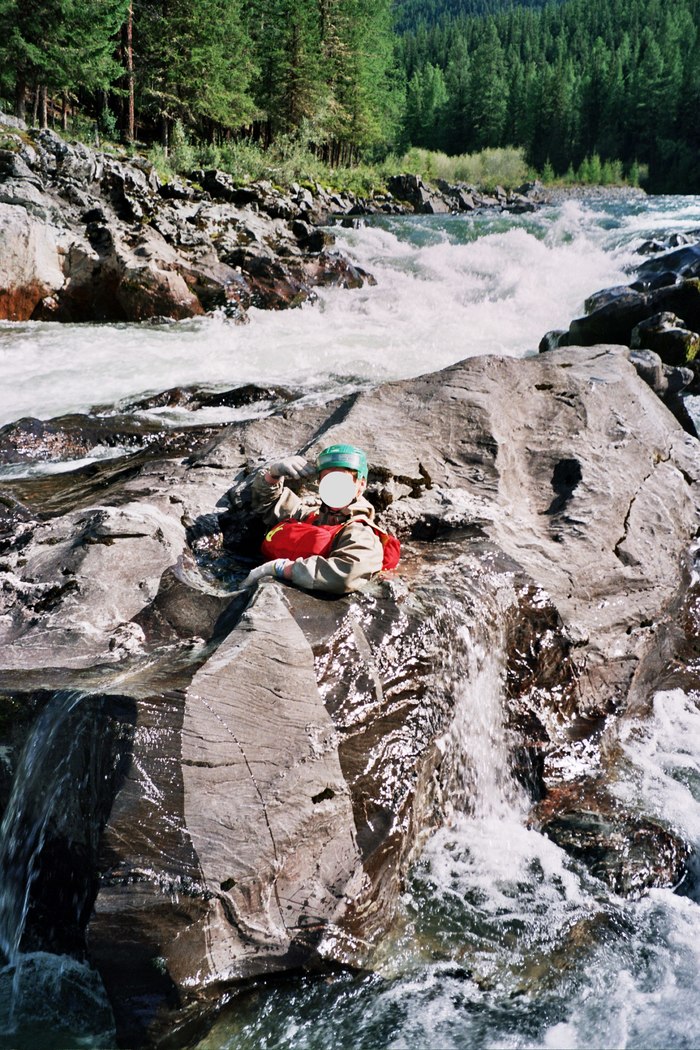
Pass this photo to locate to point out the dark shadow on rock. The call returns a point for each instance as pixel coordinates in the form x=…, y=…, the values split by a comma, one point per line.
x=182, y=611
x=566, y=477
x=74, y=761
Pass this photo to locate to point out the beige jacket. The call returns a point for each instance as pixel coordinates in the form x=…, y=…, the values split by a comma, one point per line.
x=356, y=555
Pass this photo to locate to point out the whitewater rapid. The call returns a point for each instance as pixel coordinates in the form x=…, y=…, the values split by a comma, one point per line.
x=448, y=287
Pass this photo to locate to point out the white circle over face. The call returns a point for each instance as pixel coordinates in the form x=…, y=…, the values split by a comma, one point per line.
x=337, y=489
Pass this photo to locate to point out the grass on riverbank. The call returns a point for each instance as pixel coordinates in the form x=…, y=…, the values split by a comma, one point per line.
x=291, y=160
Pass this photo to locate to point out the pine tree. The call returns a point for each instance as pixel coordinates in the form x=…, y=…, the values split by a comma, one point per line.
x=425, y=105
x=288, y=85
x=59, y=45
x=362, y=96
x=488, y=90
x=193, y=64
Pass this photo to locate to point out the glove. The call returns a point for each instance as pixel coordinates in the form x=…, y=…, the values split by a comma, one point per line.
x=268, y=568
x=293, y=467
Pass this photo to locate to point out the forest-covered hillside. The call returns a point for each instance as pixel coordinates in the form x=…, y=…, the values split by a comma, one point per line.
x=362, y=78
x=409, y=14
x=618, y=78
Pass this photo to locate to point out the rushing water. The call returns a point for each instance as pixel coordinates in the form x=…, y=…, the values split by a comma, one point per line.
x=448, y=287
x=503, y=940
x=53, y=792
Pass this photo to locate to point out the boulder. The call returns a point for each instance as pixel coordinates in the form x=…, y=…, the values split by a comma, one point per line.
x=630, y=854
x=620, y=295
x=277, y=757
x=684, y=261
x=30, y=263
x=412, y=190
x=612, y=321
x=614, y=313
x=668, y=336
x=519, y=205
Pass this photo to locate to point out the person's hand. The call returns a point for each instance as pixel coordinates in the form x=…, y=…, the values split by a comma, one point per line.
x=268, y=568
x=293, y=467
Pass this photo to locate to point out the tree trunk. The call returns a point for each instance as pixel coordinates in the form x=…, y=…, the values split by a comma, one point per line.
x=165, y=133
x=21, y=99
x=43, y=106
x=64, y=112
x=131, y=107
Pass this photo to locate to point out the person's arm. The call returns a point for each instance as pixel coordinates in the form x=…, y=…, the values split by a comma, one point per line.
x=356, y=556
x=271, y=499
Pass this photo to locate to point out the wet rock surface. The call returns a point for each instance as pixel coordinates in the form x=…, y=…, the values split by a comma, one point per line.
x=269, y=762
x=657, y=316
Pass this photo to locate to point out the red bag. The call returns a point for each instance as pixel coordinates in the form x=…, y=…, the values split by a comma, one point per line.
x=303, y=539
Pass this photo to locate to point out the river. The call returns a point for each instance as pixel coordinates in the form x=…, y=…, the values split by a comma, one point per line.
x=448, y=287
x=503, y=940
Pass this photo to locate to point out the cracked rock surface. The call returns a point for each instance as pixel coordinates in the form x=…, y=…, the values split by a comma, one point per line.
x=270, y=762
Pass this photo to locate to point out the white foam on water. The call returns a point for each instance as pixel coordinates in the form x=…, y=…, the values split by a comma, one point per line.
x=516, y=871
x=664, y=752
x=448, y=287
x=639, y=992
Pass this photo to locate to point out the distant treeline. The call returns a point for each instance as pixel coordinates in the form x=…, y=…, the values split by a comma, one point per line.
x=409, y=14
x=616, y=78
x=575, y=79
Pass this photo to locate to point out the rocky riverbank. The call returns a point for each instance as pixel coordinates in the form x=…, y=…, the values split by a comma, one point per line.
x=86, y=236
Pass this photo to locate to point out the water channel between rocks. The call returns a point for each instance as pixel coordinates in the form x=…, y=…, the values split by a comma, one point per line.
x=502, y=939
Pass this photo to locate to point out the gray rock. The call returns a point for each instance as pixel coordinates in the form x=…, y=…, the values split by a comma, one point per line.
x=8, y=120
x=650, y=368
x=152, y=251
x=13, y=166
x=685, y=261
x=287, y=752
x=621, y=295
x=30, y=262
x=435, y=205
x=667, y=335
x=615, y=312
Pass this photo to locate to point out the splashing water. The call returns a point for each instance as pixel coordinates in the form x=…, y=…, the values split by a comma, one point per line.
x=44, y=770
x=51, y=805
x=476, y=765
x=448, y=287
x=504, y=940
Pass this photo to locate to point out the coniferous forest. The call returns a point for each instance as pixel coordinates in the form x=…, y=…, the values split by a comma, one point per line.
x=618, y=80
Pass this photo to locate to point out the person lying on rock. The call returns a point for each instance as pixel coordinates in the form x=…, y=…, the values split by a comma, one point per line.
x=325, y=542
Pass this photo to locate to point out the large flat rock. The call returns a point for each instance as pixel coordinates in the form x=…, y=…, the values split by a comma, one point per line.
x=283, y=754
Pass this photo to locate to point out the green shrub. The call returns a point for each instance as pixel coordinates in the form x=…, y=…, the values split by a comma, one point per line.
x=161, y=162
x=108, y=124
x=505, y=167
x=182, y=154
